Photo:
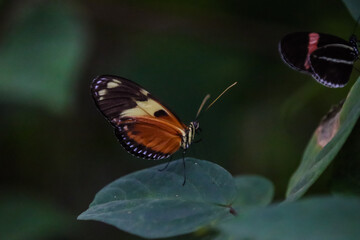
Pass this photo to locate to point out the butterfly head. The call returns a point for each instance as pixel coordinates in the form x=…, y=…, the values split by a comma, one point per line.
x=195, y=125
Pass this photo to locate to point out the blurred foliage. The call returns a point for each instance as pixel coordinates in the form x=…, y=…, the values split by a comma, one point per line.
x=56, y=145
x=40, y=56
x=27, y=217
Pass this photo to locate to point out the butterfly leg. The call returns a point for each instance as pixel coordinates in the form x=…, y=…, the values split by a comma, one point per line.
x=184, y=168
x=166, y=166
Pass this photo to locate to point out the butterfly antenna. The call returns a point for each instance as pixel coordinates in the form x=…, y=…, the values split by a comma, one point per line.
x=202, y=105
x=221, y=94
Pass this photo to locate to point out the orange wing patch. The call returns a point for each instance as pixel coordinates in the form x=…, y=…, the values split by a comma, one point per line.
x=149, y=138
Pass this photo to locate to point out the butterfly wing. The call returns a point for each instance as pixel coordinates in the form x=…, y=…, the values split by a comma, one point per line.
x=295, y=48
x=332, y=64
x=144, y=126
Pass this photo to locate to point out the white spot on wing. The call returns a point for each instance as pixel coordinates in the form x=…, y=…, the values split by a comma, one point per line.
x=143, y=91
x=102, y=92
x=112, y=85
x=116, y=81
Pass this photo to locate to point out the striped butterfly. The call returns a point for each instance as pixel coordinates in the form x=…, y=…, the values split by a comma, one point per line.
x=144, y=127
x=327, y=58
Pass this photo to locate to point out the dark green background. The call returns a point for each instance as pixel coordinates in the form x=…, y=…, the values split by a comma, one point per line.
x=57, y=150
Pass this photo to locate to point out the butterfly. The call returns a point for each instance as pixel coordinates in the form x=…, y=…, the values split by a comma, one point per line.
x=327, y=58
x=143, y=125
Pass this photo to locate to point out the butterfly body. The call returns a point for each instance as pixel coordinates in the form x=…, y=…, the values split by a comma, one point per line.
x=144, y=127
x=327, y=58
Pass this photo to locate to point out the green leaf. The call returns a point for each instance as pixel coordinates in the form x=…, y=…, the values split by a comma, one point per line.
x=25, y=218
x=329, y=218
x=354, y=8
x=41, y=56
x=154, y=204
x=316, y=158
x=253, y=191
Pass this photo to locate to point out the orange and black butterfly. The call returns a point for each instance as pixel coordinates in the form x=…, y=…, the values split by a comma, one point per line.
x=144, y=126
